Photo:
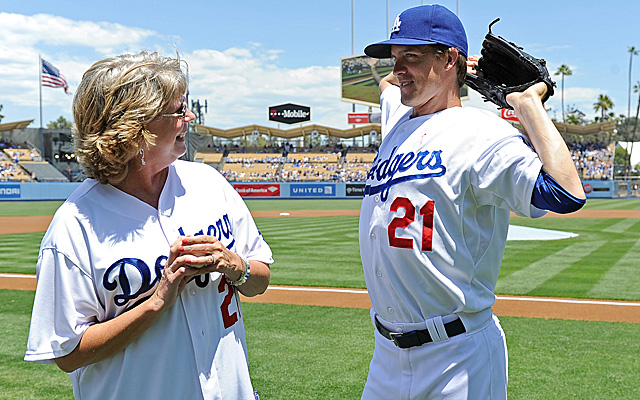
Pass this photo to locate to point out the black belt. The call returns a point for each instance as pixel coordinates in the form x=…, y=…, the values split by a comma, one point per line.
x=418, y=338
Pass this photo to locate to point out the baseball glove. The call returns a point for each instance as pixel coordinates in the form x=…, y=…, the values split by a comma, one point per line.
x=504, y=68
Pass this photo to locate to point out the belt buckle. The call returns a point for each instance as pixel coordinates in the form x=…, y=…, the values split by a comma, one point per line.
x=394, y=337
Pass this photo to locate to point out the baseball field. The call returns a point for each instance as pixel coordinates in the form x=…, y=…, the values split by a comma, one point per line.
x=570, y=308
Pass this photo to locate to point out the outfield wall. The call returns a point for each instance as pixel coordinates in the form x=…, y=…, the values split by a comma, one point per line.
x=42, y=191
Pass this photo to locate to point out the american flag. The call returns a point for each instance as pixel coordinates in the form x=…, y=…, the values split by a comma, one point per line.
x=51, y=77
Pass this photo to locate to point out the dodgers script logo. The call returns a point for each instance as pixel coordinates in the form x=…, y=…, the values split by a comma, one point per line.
x=118, y=275
x=420, y=165
x=134, y=280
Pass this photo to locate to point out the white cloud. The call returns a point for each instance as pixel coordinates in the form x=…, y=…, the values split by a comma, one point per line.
x=579, y=94
x=24, y=37
x=53, y=30
x=241, y=83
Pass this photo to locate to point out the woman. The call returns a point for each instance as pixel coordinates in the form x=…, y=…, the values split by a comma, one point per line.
x=138, y=271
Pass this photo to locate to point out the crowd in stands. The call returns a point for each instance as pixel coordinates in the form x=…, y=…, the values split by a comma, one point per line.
x=593, y=160
x=11, y=155
x=297, y=167
x=10, y=169
x=285, y=163
x=286, y=148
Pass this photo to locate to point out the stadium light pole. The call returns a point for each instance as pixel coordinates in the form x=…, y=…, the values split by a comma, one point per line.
x=353, y=44
x=353, y=34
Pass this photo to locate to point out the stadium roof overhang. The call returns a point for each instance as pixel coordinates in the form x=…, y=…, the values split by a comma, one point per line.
x=9, y=126
x=287, y=134
x=591, y=129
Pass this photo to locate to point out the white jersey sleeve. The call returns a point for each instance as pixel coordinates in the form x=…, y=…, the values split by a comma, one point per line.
x=67, y=305
x=504, y=172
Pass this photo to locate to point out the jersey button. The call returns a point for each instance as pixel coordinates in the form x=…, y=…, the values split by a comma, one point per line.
x=192, y=291
x=208, y=375
x=390, y=310
x=373, y=236
x=377, y=198
x=378, y=273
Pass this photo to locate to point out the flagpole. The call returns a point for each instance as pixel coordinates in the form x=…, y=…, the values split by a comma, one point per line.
x=40, y=87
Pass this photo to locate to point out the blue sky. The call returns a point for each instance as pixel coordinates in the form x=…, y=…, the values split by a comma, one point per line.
x=245, y=56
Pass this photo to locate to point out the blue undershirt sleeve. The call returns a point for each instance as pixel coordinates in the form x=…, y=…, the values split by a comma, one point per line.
x=549, y=195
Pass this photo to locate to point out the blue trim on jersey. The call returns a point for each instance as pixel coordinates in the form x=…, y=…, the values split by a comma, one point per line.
x=549, y=195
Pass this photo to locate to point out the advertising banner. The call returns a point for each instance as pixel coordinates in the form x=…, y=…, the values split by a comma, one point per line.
x=313, y=190
x=11, y=191
x=257, y=190
x=509, y=115
x=358, y=118
x=289, y=113
x=355, y=190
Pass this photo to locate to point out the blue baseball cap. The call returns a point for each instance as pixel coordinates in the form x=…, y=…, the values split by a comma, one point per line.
x=432, y=24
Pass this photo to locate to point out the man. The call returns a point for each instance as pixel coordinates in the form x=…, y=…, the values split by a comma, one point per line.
x=435, y=214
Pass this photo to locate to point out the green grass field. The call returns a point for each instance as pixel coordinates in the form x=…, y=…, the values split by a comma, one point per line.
x=303, y=352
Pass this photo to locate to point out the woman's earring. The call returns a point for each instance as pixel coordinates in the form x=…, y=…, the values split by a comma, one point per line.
x=142, y=155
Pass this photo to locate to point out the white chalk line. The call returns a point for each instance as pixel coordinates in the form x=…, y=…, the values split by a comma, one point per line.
x=571, y=301
x=363, y=291
x=21, y=276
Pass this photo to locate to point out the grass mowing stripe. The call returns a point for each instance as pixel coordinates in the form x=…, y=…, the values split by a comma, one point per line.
x=25, y=208
x=19, y=252
x=20, y=379
x=613, y=204
x=307, y=352
x=537, y=273
x=557, y=360
x=622, y=225
x=623, y=278
x=301, y=229
x=307, y=204
x=581, y=277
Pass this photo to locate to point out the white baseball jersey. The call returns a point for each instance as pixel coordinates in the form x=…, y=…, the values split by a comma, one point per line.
x=435, y=213
x=104, y=252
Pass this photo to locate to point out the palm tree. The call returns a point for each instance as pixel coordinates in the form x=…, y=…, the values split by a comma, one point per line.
x=632, y=52
x=563, y=70
x=636, y=89
x=603, y=104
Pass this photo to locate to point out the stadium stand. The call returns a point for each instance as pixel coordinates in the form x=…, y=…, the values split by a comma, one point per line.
x=253, y=166
x=24, y=164
x=593, y=161
x=43, y=171
x=10, y=169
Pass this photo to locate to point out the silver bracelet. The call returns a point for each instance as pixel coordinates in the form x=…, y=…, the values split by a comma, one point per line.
x=246, y=269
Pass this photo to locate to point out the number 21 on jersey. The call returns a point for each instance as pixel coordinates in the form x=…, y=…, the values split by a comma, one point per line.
x=425, y=213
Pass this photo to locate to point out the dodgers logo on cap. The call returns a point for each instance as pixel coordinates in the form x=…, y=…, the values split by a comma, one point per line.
x=423, y=25
x=396, y=25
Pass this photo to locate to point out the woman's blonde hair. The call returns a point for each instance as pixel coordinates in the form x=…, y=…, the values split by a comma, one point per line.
x=115, y=100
